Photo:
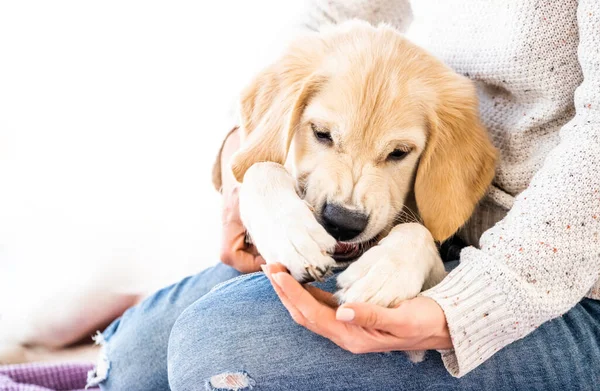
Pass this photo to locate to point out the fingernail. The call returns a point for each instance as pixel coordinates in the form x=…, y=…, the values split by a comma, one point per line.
x=264, y=268
x=344, y=314
x=277, y=277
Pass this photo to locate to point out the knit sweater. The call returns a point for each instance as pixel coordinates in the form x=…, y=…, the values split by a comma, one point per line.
x=535, y=251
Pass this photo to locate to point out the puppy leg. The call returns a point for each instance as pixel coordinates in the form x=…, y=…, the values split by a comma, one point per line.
x=282, y=225
x=398, y=268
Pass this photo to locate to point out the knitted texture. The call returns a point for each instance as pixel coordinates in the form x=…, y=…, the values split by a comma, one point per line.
x=534, y=238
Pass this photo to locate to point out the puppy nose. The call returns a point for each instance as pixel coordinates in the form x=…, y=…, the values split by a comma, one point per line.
x=342, y=223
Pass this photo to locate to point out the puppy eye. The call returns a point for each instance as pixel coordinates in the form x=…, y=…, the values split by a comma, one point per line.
x=321, y=134
x=397, y=154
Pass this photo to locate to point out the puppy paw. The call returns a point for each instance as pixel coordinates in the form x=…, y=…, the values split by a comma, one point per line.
x=379, y=277
x=305, y=246
x=398, y=268
x=297, y=241
x=282, y=226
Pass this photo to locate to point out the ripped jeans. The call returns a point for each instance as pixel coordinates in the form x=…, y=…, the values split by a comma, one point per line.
x=238, y=336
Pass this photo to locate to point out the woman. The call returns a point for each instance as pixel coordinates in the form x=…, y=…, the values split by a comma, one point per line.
x=521, y=311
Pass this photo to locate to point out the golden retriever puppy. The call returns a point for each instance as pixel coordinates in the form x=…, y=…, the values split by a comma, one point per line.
x=351, y=128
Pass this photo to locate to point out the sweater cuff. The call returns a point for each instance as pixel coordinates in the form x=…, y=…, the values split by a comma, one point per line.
x=476, y=310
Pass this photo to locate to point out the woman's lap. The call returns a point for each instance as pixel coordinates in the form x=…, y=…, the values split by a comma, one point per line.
x=241, y=328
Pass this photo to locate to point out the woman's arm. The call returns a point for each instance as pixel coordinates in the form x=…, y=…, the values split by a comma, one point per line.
x=544, y=257
x=230, y=145
x=235, y=251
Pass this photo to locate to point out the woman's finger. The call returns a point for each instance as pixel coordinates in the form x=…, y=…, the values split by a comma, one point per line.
x=323, y=296
x=319, y=294
x=297, y=295
x=320, y=318
x=235, y=254
x=369, y=315
x=246, y=262
x=274, y=268
x=294, y=313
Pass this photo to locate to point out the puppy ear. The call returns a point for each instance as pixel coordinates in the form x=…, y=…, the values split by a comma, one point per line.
x=458, y=163
x=272, y=105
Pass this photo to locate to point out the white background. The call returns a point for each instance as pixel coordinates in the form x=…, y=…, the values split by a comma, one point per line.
x=111, y=114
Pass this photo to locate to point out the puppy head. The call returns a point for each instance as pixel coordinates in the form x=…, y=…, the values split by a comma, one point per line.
x=362, y=118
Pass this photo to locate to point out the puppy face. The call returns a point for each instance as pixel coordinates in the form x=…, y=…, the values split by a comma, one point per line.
x=362, y=119
x=355, y=150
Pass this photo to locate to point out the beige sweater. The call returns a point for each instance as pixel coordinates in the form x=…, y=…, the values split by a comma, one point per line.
x=535, y=248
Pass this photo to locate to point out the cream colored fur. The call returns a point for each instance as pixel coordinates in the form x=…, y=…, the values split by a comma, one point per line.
x=375, y=92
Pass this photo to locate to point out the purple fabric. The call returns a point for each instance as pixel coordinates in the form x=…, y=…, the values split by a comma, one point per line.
x=44, y=377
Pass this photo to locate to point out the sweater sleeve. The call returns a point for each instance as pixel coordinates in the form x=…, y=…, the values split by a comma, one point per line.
x=544, y=256
x=321, y=12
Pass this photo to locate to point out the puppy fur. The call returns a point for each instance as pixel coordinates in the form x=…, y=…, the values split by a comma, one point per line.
x=373, y=92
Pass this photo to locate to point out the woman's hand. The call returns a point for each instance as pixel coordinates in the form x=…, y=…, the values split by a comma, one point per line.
x=416, y=324
x=235, y=252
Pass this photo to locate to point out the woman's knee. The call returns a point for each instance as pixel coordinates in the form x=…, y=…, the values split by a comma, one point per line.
x=134, y=347
x=208, y=332
x=240, y=336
